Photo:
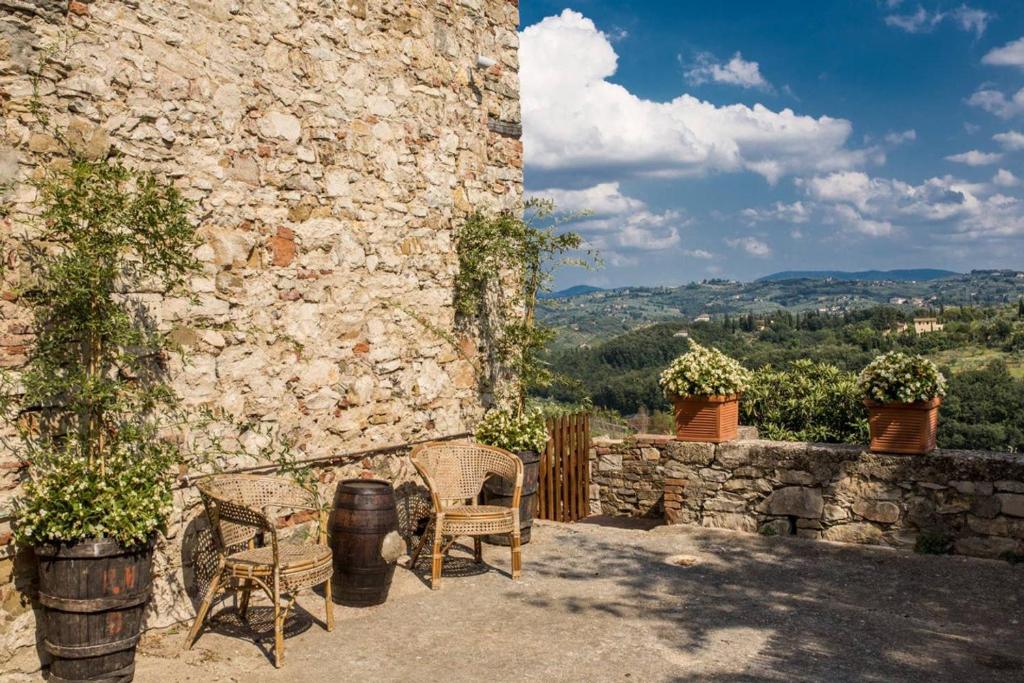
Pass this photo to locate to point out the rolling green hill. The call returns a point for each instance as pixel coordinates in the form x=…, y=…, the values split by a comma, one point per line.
x=599, y=315
x=921, y=274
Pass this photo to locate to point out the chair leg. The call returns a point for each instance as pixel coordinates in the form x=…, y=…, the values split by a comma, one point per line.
x=478, y=550
x=278, y=626
x=517, y=555
x=329, y=604
x=438, y=559
x=204, y=608
x=243, y=603
x=419, y=546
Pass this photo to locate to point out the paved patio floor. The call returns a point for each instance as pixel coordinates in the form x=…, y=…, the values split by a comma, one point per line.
x=604, y=604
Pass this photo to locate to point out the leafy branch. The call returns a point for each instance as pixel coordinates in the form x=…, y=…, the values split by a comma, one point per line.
x=505, y=262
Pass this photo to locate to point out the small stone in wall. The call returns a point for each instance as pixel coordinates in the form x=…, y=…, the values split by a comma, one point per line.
x=877, y=511
x=1011, y=504
x=796, y=501
x=857, y=532
x=610, y=462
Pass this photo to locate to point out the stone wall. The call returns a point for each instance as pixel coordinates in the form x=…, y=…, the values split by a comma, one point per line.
x=329, y=149
x=965, y=502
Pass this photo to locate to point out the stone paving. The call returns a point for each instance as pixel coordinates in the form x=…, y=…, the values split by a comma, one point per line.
x=677, y=603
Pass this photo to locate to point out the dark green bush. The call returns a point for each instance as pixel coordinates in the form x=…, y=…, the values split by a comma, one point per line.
x=806, y=401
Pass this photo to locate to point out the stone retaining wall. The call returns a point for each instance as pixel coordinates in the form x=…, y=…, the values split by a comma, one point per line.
x=965, y=502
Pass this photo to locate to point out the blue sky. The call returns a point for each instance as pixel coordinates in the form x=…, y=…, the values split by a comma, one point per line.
x=736, y=139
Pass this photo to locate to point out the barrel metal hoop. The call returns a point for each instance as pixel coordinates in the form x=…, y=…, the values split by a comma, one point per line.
x=95, y=604
x=121, y=675
x=83, y=651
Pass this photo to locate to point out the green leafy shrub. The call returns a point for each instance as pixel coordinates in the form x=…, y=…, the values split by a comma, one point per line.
x=514, y=432
x=897, y=377
x=93, y=406
x=703, y=371
x=806, y=401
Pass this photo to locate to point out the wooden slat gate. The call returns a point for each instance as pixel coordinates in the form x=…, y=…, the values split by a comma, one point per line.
x=563, y=493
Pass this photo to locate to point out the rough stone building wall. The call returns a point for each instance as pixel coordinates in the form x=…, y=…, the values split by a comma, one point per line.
x=966, y=502
x=329, y=148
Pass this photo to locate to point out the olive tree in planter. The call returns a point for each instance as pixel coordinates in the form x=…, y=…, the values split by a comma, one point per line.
x=903, y=394
x=704, y=386
x=93, y=403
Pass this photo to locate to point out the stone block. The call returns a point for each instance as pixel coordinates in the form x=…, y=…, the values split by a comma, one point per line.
x=609, y=462
x=733, y=454
x=986, y=546
x=1011, y=504
x=795, y=477
x=1009, y=486
x=650, y=454
x=835, y=513
x=698, y=454
x=797, y=501
x=725, y=503
x=877, y=511
x=998, y=526
x=856, y=532
x=724, y=520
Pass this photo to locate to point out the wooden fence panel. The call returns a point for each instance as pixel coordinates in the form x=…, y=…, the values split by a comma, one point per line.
x=565, y=470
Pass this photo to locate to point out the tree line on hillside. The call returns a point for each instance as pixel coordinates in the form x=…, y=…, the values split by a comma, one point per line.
x=805, y=365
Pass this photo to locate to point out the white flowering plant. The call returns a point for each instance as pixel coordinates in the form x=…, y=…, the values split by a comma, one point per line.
x=515, y=432
x=897, y=377
x=67, y=500
x=704, y=371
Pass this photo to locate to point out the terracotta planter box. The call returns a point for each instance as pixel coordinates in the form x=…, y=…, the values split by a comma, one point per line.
x=908, y=428
x=709, y=419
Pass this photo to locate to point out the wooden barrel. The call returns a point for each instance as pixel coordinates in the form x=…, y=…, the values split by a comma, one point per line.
x=498, y=491
x=94, y=594
x=363, y=516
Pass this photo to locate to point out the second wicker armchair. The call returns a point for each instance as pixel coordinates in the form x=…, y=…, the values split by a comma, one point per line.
x=455, y=473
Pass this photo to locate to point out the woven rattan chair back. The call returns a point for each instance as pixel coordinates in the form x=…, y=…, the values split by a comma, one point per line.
x=238, y=505
x=456, y=471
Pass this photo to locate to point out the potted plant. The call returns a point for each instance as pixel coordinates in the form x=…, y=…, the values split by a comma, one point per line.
x=704, y=386
x=525, y=434
x=903, y=394
x=93, y=406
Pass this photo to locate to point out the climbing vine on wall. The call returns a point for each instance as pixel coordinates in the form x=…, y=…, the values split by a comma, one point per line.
x=506, y=261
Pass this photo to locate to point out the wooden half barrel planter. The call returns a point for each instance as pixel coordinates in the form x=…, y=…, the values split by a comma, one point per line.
x=364, y=542
x=907, y=428
x=94, y=595
x=499, y=491
x=707, y=419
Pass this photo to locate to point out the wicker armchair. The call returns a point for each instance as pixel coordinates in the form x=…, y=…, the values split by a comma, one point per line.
x=239, y=507
x=455, y=473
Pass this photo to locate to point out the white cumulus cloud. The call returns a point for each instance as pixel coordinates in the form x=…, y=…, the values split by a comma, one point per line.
x=901, y=137
x=920, y=21
x=576, y=119
x=796, y=212
x=1004, y=178
x=737, y=71
x=1010, y=140
x=751, y=245
x=965, y=18
x=1011, y=54
x=617, y=221
x=996, y=102
x=975, y=158
x=601, y=199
